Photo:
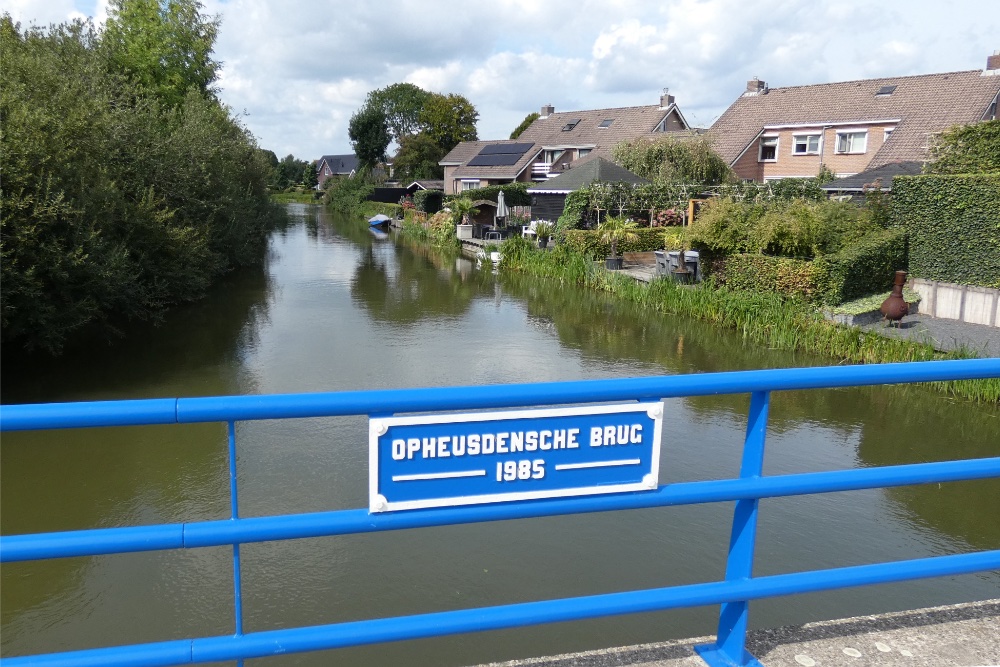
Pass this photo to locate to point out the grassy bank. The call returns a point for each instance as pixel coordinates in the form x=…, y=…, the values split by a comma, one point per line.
x=763, y=319
x=295, y=198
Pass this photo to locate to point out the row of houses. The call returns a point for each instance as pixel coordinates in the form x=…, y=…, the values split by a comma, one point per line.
x=886, y=124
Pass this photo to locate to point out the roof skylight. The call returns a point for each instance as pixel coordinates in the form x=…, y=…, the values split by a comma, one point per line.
x=606, y=122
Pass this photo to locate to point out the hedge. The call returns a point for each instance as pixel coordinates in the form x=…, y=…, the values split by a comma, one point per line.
x=863, y=268
x=767, y=273
x=428, y=201
x=867, y=267
x=588, y=241
x=953, y=224
x=514, y=194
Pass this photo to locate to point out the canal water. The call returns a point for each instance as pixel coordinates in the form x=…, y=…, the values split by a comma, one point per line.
x=337, y=309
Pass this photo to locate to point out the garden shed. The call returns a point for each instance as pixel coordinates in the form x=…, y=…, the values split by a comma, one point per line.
x=549, y=198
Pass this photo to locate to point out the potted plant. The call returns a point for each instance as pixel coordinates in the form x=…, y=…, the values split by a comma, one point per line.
x=544, y=231
x=462, y=209
x=615, y=230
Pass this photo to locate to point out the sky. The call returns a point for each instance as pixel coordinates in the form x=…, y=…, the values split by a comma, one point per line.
x=295, y=71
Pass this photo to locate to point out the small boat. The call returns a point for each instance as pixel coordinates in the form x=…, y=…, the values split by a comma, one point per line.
x=379, y=220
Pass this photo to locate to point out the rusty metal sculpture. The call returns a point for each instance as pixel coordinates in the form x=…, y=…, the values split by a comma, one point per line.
x=895, y=307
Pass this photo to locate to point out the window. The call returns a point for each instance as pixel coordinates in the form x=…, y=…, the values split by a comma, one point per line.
x=551, y=155
x=570, y=125
x=768, y=149
x=606, y=122
x=806, y=144
x=583, y=151
x=888, y=133
x=468, y=184
x=852, y=142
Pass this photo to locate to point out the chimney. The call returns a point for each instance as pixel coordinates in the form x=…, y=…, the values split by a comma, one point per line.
x=755, y=86
x=548, y=110
x=993, y=62
x=666, y=99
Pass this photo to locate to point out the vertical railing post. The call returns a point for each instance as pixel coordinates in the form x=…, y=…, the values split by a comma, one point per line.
x=234, y=506
x=729, y=647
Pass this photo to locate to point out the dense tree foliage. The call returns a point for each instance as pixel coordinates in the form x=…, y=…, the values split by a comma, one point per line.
x=401, y=103
x=423, y=125
x=165, y=47
x=967, y=149
x=528, y=120
x=418, y=157
x=370, y=137
x=688, y=160
x=449, y=120
x=116, y=201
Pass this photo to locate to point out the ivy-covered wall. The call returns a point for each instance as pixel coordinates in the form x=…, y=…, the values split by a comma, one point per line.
x=953, y=224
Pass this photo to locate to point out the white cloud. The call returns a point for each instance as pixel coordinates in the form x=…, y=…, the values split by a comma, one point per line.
x=300, y=69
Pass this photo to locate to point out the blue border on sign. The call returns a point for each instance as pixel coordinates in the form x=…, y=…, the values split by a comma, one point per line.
x=474, y=458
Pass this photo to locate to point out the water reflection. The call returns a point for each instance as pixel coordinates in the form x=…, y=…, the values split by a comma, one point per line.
x=338, y=309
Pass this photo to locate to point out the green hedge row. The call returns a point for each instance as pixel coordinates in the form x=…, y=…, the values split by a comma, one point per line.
x=428, y=201
x=767, y=273
x=514, y=194
x=588, y=242
x=864, y=268
x=953, y=224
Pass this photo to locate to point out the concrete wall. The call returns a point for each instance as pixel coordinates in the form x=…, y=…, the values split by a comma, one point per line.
x=966, y=303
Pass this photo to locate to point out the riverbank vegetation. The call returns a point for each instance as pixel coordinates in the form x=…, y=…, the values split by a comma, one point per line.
x=765, y=319
x=128, y=187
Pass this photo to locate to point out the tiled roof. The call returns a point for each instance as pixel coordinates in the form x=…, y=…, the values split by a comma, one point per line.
x=424, y=184
x=626, y=123
x=586, y=172
x=923, y=104
x=340, y=164
x=885, y=174
x=467, y=150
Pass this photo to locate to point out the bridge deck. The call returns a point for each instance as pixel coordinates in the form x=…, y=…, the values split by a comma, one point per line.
x=962, y=635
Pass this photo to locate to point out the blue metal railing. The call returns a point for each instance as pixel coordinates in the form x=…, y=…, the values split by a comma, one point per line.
x=733, y=594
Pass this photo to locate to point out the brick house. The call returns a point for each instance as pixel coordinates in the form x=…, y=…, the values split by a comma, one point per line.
x=852, y=126
x=550, y=144
x=330, y=166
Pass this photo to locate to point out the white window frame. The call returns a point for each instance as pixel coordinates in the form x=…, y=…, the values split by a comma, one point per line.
x=769, y=138
x=470, y=184
x=886, y=133
x=802, y=139
x=851, y=149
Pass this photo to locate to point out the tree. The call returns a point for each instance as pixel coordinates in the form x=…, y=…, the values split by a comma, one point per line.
x=309, y=176
x=528, y=120
x=679, y=160
x=418, y=157
x=370, y=137
x=290, y=171
x=401, y=103
x=165, y=47
x=449, y=120
x=967, y=149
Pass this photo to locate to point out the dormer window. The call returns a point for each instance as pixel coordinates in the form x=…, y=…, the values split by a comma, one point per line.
x=768, y=149
x=805, y=144
x=606, y=122
x=852, y=142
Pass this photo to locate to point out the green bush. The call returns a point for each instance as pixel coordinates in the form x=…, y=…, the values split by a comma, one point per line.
x=953, y=225
x=428, y=201
x=763, y=273
x=588, y=242
x=515, y=194
x=863, y=268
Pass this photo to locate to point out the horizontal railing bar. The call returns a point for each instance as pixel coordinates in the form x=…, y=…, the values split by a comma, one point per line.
x=374, y=631
x=101, y=541
x=436, y=399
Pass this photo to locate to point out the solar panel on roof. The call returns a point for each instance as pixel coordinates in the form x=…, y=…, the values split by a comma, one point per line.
x=495, y=160
x=505, y=149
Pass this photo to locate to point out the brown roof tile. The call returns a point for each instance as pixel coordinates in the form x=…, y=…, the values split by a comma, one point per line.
x=924, y=105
